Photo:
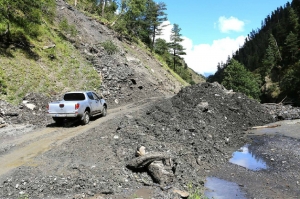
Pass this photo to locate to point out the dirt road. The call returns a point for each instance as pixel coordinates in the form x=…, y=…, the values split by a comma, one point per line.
x=24, y=146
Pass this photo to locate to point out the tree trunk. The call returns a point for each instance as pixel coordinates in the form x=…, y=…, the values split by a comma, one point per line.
x=153, y=38
x=174, y=54
x=75, y=3
x=7, y=33
x=103, y=6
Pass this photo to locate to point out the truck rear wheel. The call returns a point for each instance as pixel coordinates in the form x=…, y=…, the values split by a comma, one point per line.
x=86, y=118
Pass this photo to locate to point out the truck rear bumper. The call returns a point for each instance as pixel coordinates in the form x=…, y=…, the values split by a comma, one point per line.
x=63, y=114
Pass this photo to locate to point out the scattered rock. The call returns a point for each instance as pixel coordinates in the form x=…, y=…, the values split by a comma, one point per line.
x=49, y=46
x=183, y=194
x=283, y=112
x=141, y=151
x=161, y=173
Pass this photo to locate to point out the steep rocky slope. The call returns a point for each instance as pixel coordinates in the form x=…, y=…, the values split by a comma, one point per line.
x=130, y=74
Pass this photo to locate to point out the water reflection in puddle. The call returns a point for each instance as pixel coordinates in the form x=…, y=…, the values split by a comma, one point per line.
x=246, y=159
x=222, y=189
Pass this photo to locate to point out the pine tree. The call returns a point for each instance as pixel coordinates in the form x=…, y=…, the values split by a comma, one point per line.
x=134, y=11
x=292, y=20
x=155, y=16
x=291, y=46
x=272, y=56
x=175, y=46
x=161, y=46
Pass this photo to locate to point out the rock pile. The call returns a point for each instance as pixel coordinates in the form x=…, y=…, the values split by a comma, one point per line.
x=8, y=113
x=197, y=127
x=283, y=112
x=31, y=111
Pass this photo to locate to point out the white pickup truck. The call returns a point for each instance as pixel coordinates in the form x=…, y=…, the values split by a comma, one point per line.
x=77, y=104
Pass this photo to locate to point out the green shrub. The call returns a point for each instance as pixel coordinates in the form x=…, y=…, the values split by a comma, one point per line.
x=110, y=47
x=65, y=27
x=195, y=193
x=239, y=79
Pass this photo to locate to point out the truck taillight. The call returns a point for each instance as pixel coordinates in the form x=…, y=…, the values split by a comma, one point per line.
x=77, y=106
x=47, y=107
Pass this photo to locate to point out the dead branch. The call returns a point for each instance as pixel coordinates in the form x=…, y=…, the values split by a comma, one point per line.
x=146, y=159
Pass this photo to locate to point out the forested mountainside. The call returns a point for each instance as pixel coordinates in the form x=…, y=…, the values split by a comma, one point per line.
x=267, y=66
x=98, y=45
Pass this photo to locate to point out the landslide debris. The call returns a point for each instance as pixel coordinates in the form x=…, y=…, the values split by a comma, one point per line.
x=191, y=133
x=199, y=126
x=130, y=74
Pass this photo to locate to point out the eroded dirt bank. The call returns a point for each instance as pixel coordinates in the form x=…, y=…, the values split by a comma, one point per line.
x=197, y=129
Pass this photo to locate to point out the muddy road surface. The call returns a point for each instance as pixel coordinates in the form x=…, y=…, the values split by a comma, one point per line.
x=21, y=148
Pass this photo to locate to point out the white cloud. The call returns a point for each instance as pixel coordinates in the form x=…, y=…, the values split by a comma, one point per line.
x=166, y=32
x=204, y=58
x=230, y=24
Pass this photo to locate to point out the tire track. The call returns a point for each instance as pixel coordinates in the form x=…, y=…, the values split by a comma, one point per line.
x=38, y=142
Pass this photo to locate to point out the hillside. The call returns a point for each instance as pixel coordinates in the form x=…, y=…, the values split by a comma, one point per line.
x=71, y=55
x=271, y=54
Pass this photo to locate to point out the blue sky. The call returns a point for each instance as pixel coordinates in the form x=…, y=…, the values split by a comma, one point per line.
x=214, y=29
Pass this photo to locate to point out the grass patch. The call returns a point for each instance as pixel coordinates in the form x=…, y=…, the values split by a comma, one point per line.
x=109, y=47
x=67, y=71
x=195, y=193
x=69, y=29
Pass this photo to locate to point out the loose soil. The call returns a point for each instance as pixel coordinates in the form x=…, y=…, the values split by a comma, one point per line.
x=198, y=128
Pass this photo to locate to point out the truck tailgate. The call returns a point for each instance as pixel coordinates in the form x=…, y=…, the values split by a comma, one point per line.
x=60, y=107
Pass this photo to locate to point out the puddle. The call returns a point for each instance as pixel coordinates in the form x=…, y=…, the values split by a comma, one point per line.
x=221, y=189
x=246, y=159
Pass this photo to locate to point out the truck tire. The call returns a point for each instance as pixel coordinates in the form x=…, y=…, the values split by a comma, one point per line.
x=104, y=111
x=86, y=118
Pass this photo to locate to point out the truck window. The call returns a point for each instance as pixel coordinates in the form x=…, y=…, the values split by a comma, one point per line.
x=74, y=97
x=96, y=96
x=90, y=95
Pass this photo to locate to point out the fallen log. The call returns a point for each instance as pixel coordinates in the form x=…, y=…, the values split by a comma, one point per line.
x=3, y=125
x=161, y=173
x=146, y=159
x=261, y=127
